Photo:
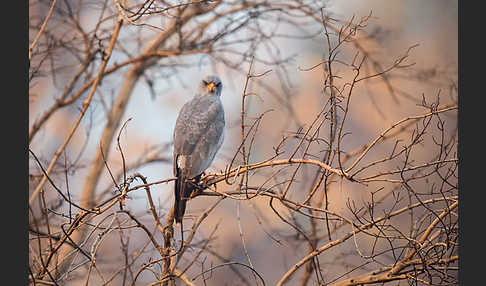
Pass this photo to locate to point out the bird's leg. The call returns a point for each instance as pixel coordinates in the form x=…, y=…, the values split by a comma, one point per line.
x=198, y=187
x=206, y=178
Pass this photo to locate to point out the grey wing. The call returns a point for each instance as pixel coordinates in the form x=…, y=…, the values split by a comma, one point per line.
x=198, y=135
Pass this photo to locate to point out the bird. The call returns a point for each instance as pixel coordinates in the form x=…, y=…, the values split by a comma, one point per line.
x=198, y=135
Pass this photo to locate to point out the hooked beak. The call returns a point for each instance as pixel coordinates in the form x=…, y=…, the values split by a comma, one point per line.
x=211, y=87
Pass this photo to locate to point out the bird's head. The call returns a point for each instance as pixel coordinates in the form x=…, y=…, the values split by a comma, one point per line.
x=211, y=85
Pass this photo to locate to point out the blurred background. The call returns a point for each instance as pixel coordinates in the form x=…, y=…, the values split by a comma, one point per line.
x=290, y=95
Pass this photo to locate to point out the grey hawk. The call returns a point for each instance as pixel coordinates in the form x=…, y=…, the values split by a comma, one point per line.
x=198, y=135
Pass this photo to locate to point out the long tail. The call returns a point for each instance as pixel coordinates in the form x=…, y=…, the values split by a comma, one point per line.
x=180, y=203
x=182, y=191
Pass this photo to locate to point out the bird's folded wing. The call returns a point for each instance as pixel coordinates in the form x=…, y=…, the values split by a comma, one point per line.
x=198, y=134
